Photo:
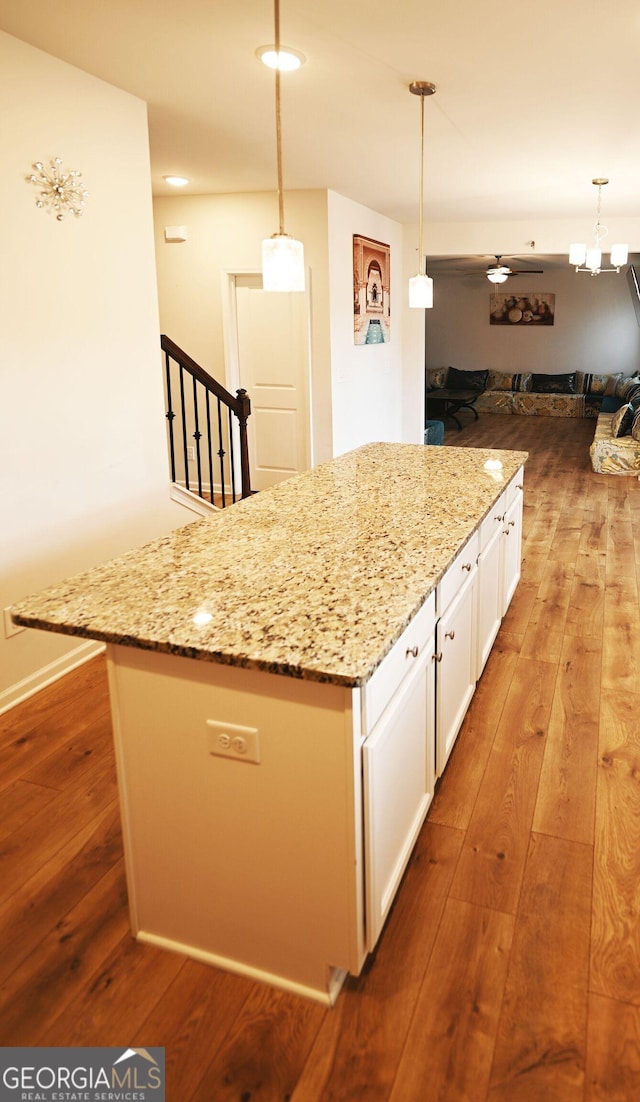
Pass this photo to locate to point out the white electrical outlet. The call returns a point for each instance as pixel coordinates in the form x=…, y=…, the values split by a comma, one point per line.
x=191, y=454
x=9, y=627
x=228, y=740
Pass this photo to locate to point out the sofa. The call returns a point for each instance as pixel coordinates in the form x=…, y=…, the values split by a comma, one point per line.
x=612, y=399
x=570, y=394
x=615, y=448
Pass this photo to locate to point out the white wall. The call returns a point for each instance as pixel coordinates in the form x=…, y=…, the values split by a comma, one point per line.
x=595, y=325
x=225, y=233
x=83, y=464
x=367, y=380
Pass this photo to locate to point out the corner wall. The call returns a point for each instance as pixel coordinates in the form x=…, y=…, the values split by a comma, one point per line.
x=366, y=380
x=83, y=463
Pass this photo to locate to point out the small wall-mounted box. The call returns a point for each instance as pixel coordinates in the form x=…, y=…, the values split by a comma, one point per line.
x=175, y=233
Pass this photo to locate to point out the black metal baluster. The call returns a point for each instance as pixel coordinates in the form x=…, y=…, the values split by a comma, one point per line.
x=221, y=454
x=170, y=416
x=209, y=453
x=197, y=434
x=184, y=429
x=232, y=459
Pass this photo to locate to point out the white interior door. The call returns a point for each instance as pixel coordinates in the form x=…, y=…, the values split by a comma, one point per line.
x=273, y=367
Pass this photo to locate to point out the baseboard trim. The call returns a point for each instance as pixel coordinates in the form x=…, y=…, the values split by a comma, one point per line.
x=326, y=996
x=31, y=685
x=191, y=501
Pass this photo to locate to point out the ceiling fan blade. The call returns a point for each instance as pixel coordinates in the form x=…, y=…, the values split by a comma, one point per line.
x=527, y=271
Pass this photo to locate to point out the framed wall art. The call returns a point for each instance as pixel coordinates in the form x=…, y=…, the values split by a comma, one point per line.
x=371, y=291
x=526, y=309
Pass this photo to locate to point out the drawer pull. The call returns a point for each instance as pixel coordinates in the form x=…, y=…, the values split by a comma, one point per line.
x=437, y=657
x=500, y=519
x=449, y=634
x=411, y=652
x=519, y=486
x=511, y=524
x=467, y=566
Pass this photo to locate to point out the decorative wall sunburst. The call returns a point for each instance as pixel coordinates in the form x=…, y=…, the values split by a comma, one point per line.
x=60, y=191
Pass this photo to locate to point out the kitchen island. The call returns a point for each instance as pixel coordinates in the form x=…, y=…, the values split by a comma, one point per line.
x=283, y=700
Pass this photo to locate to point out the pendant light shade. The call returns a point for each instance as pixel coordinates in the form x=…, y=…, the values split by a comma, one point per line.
x=282, y=263
x=421, y=285
x=282, y=255
x=421, y=292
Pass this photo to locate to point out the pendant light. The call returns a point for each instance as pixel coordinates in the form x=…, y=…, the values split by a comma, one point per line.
x=589, y=259
x=282, y=255
x=421, y=285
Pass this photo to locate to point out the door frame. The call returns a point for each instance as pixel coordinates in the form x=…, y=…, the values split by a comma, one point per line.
x=229, y=277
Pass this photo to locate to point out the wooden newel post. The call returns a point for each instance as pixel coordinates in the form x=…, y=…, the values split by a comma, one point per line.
x=243, y=412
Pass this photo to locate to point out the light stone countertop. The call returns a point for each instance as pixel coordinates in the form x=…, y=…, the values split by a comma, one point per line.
x=315, y=578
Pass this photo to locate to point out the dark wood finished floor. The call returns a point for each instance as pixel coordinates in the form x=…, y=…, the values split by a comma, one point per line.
x=509, y=968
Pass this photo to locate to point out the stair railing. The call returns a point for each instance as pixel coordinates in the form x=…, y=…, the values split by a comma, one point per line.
x=195, y=401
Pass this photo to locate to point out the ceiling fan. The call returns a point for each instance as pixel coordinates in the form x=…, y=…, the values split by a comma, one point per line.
x=495, y=273
x=498, y=273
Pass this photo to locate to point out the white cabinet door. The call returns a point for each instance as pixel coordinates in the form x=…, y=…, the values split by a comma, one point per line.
x=511, y=550
x=490, y=597
x=398, y=779
x=456, y=667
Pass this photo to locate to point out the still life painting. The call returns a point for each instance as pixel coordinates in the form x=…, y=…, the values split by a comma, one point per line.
x=526, y=308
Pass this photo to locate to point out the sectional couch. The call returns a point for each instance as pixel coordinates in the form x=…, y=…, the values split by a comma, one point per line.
x=612, y=399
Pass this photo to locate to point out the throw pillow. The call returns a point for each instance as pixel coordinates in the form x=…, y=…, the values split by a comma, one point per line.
x=631, y=391
x=622, y=421
x=500, y=380
x=467, y=380
x=436, y=377
x=553, y=384
x=624, y=382
x=597, y=384
x=635, y=428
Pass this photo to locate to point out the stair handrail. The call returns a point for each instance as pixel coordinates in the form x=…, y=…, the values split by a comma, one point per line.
x=240, y=405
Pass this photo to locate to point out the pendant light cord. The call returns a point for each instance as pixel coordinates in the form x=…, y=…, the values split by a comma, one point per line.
x=276, y=12
x=421, y=182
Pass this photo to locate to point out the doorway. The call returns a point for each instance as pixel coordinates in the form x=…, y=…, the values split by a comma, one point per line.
x=267, y=348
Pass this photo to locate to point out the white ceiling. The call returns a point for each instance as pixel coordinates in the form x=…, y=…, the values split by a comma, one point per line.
x=531, y=103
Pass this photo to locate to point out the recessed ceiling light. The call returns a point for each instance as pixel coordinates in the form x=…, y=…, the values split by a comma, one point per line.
x=176, y=181
x=286, y=60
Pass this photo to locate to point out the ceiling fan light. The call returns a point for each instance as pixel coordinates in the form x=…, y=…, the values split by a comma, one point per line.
x=421, y=292
x=619, y=255
x=593, y=259
x=497, y=275
x=282, y=263
x=577, y=254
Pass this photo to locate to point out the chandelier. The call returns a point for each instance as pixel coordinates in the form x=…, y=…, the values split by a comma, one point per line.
x=589, y=258
x=421, y=285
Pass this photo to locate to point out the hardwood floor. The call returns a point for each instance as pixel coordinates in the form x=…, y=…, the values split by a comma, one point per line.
x=509, y=968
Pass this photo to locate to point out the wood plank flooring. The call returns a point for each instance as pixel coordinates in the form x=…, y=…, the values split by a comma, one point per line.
x=509, y=968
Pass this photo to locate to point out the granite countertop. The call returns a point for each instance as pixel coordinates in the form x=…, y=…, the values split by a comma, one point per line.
x=315, y=578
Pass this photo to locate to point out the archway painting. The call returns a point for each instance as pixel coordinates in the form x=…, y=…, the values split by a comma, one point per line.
x=371, y=298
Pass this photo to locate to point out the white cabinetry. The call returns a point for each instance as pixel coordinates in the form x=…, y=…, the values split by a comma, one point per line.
x=512, y=541
x=397, y=764
x=490, y=587
x=455, y=648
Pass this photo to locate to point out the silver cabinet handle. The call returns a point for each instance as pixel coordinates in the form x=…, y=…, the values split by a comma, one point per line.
x=511, y=524
x=449, y=634
x=467, y=566
x=411, y=652
x=500, y=519
x=520, y=487
x=437, y=657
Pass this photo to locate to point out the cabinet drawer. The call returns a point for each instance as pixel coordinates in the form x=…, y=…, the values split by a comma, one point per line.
x=457, y=573
x=400, y=660
x=493, y=521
